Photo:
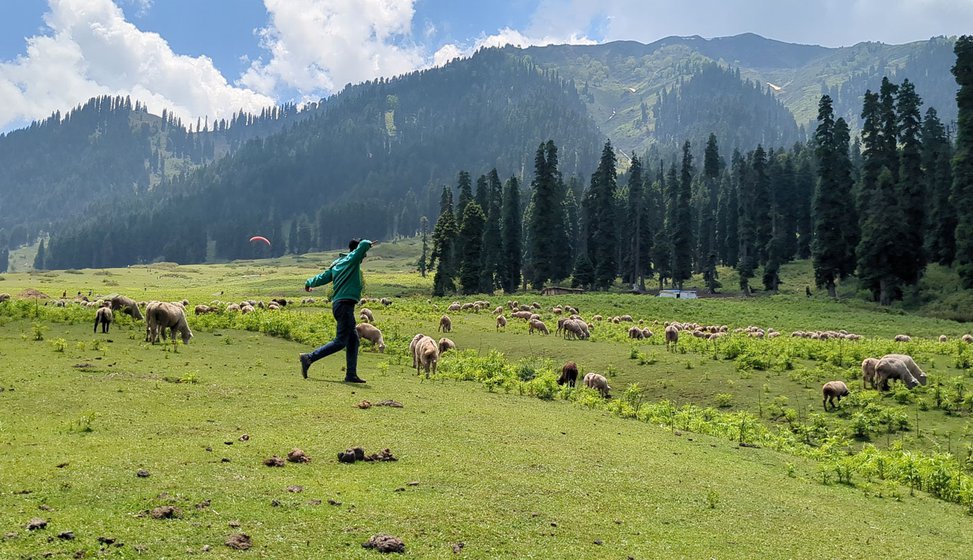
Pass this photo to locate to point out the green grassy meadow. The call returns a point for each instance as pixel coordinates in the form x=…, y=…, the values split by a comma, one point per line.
x=491, y=453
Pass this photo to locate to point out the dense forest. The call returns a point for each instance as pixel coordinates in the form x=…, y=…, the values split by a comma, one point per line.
x=881, y=209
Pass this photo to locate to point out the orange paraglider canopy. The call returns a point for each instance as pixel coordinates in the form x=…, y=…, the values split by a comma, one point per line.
x=260, y=238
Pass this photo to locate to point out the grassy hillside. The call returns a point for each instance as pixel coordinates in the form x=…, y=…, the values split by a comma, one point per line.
x=491, y=453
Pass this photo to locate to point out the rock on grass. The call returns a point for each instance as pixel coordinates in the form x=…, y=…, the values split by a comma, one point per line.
x=385, y=543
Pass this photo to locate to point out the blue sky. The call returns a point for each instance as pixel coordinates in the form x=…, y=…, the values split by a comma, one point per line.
x=215, y=57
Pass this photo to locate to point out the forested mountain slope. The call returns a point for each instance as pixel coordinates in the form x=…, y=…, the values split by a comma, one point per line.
x=370, y=162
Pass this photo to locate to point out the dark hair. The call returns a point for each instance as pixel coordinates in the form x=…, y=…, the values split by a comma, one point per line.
x=353, y=244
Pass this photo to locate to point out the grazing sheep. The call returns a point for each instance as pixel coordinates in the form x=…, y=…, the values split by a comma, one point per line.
x=426, y=355
x=569, y=374
x=367, y=313
x=104, y=317
x=571, y=310
x=914, y=369
x=636, y=333
x=672, y=336
x=597, y=382
x=445, y=324
x=446, y=344
x=521, y=314
x=412, y=348
x=575, y=328
x=202, y=309
x=556, y=310
x=646, y=333
x=244, y=309
x=128, y=306
x=4, y=297
x=537, y=325
x=501, y=322
x=498, y=310
x=455, y=306
x=597, y=318
x=160, y=316
x=942, y=338
x=903, y=338
x=967, y=339
x=372, y=334
x=385, y=301
x=233, y=307
x=625, y=318
x=868, y=372
x=893, y=368
x=833, y=390
x=535, y=305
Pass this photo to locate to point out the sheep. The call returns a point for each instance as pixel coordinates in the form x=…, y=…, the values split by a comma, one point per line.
x=535, y=305
x=574, y=328
x=372, y=334
x=128, y=306
x=233, y=307
x=672, y=336
x=521, y=314
x=625, y=318
x=646, y=333
x=104, y=317
x=914, y=369
x=597, y=318
x=385, y=301
x=501, y=322
x=569, y=374
x=893, y=368
x=833, y=390
x=426, y=355
x=202, y=309
x=273, y=306
x=445, y=324
x=160, y=316
x=455, y=306
x=498, y=310
x=868, y=372
x=942, y=338
x=366, y=313
x=967, y=339
x=636, y=333
x=597, y=382
x=412, y=348
x=903, y=338
x=536, y=325
x=4, y=297
x=244, y=309
x=556, y=310
x=446, y=344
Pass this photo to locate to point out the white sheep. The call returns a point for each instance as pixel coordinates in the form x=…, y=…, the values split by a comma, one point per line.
x=445, y=324
x=597, y=382
x=833, y=390
x=372, y=334
x=967, y=339
x=426, y=355
x=868, y=372
x=446, y=344
x=903, y=338
x=412, y=348
x=161, y=315
x=537, y=325
x=501, y=322
x=366, y=314
x=103, y=317
x=672, y=336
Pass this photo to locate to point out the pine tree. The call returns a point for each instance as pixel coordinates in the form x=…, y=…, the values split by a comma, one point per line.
x=481, y=192
x=545, y=227
x=879, y=252
x=760, y=203
x=423, y=232
x=4, y=259
x=492, y=252
x=40, y=259
x=746, y=253
x=443, y=255
x=583, y=275
x=911, y=194
x=889, y=128
x=940, y=241
x=635, y=223
x=708, y=249
x=602, y=240
x=682, y=233
x=465, y=189
x=831, y=254
x=511, y=236
x=471, y=239
x=963, y=159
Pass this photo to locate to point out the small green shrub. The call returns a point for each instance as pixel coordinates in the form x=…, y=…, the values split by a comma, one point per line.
x=59, y=344
x=724, y=400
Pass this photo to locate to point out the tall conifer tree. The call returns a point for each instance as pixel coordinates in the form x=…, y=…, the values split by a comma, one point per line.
x=471, y=239
x=511, y=236
x=963, y=159
x=682, y=233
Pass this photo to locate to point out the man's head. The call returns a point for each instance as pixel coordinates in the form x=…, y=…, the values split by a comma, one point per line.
x=353, y=244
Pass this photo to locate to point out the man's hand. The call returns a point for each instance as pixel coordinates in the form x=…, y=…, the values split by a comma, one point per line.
x=307, y=288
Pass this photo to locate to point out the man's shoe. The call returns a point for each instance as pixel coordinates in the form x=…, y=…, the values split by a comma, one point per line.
x=354, y=379
x=305, y=363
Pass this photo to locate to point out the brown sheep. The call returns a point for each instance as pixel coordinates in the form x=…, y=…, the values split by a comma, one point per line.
x=576, y=328
x=412, y=348
x=426, y=355
x=868, y=372
x=128, y=306
x=569, y=374
x=967, y=339
x=446, y=344
x=160, y=315
x=104, y=317
x=372, y=334
x=833, y=390
x=445, y=324
x=385, y=301
x=455, y=306
x=535, y=325
x=501, y=322
x=903, y=338
x=366, y=313
x=636, y=333
x=4, y=297
x=202, y=309
x=597, y=382
x=521, y=314
x=672, y=336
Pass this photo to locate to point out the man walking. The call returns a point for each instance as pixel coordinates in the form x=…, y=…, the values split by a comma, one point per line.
x=345, y=275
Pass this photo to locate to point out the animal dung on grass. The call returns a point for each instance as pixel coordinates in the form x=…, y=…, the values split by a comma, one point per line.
x=239, y=541
x=165, y=512
x=385, y=543
x=297, y=455
x=36, y=523
x=354, y=454
x=274, y=461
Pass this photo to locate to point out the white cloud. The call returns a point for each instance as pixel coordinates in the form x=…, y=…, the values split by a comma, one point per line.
x=92, y=50
x=317, y=46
